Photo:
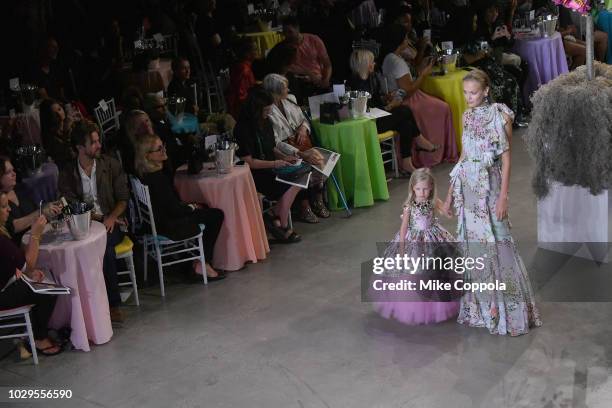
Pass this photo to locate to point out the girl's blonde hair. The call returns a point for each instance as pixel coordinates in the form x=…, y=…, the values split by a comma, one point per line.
x=360, y=62
x=479, y=76
x=422, y=174
x=142, y=164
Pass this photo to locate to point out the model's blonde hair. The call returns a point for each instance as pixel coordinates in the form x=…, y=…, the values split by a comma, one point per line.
x=422, y=174
x=142, y=164
x=360, y=62
x=479, y=76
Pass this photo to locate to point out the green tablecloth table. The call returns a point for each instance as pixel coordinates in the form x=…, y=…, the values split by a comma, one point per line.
x=360, y=171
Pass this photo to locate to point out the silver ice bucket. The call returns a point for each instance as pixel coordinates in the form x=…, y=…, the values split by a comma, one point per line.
x=548, y=27
x=358, y=103
x=78, y=224
x=224, y=159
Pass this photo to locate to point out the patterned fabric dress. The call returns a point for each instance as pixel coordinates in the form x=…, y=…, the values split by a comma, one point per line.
x=422, y=235
x=476, y=182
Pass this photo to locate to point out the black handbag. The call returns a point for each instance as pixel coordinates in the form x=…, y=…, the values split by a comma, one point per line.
x=328, y=113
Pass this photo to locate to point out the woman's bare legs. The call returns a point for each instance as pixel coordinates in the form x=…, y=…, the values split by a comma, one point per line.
x=283, y=206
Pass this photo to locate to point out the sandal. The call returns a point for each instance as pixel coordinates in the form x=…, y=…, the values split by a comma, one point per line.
x=320, y=209
x=306, y=215
x=42, y=351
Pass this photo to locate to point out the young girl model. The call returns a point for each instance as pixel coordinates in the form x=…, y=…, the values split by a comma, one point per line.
x=420, y=236
x=479, y=187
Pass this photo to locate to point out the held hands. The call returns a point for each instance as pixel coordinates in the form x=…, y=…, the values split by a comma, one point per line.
x=446, y=208
x=501, y=207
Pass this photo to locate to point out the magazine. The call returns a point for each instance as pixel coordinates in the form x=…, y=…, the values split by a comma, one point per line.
x=302, y=181
x=46, y=287
x=329, y=160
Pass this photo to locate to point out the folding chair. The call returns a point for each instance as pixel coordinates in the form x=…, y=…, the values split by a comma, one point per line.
x=124, y=251
x=107, y=117
x=159, y=247
x=19, y=317
x=387, y=144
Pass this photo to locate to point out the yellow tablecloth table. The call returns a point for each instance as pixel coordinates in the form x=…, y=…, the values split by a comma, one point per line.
x=449, y=88
x=264, y=40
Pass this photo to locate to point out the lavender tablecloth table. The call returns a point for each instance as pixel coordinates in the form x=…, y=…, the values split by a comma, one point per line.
x=43, y=185
x=546, y=58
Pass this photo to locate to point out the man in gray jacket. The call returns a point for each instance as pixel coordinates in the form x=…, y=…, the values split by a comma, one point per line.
x=100, y=181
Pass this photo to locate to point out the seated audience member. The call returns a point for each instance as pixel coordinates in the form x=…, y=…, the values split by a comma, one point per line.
x=137, y=123
x=181, y=84
x=312, y=64
x=364, y=78
x=173, y=218
x=55, y=132
x=49, y=74
x=291, y=127
x=24, y=212
x=433, y=116
x=178, y=152
x=504, y=86
x=278, y=61
x=141, y=77
x=255, y=137
x=498, y=36
x=99, y=181
x=576, y=48
x=241, y=76
x=415, y=51
x=17, y=262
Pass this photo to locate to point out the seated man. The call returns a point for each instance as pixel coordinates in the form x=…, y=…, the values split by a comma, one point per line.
x=100, y=181
x=311, y=64
x=178, y=149
x=181, y=84
x=576, y=48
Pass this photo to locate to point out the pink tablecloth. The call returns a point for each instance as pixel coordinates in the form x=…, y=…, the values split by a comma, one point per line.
x=78, y=265
x=43, y=185
x=243, y=235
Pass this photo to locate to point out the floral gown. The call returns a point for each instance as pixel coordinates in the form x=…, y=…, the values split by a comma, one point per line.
x=476, y=183
x=423, y=233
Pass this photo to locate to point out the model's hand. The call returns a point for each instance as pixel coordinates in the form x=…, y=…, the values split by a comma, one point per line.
x=501, y=208
x=301, y=134
x=447, y=208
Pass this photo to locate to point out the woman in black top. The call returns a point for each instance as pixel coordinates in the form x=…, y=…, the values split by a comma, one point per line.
x=175, y=219
x=401, y=120
x=15, y=263
x=256, y=142
x=24, y=211
x=55, y=132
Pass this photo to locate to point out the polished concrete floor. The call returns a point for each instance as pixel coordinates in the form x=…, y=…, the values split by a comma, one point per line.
x=292, y=332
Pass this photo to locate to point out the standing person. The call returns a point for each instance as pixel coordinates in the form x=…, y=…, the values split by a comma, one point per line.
x=420, y=232
x=479, y=189
x=100, y=181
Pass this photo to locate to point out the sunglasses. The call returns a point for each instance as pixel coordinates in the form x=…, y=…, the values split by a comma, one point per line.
x=159, y=149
